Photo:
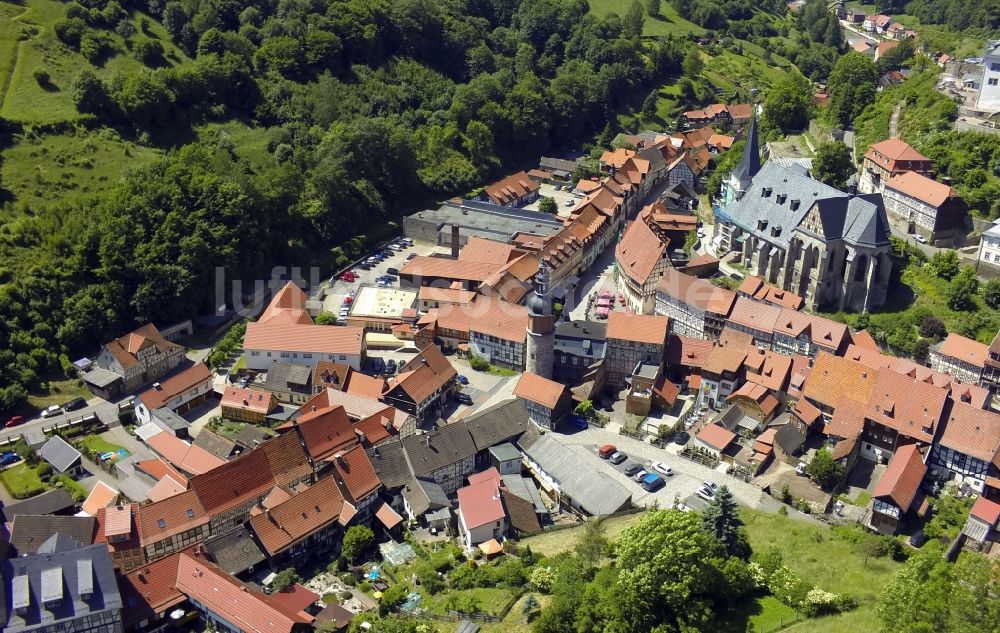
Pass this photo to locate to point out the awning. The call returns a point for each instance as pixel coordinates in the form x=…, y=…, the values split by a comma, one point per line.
x=389, y=517
x=748, y=423
x=491, y=547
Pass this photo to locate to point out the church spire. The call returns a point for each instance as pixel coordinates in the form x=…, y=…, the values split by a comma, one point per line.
x=750, y=161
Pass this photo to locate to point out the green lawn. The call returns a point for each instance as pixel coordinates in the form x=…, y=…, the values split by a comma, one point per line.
x=97, y=444
x=667, y=23
x=75, y=490
x=551, y=543
x=60, y=391
x=22, y=481
x=765, y=613
x=485, y=600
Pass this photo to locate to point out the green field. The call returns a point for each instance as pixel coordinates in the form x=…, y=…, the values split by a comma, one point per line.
x=667, y=23
x=59, y=392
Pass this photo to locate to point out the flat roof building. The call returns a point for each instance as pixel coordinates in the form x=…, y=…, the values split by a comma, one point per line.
x=378, y=309
x=479, y=219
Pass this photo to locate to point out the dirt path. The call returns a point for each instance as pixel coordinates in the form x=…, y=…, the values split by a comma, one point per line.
x=15, y=62
x=894, y=120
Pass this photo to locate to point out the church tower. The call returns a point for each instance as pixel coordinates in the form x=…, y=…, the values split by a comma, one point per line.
x=541, y=326
x=739, y=181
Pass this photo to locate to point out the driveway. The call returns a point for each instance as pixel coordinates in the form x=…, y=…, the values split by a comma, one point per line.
x=106, y=411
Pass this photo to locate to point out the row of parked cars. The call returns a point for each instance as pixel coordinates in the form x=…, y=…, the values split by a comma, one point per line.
x=48, y=412
x=651, y=480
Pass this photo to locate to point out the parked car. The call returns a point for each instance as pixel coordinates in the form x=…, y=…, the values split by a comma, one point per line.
x=652, y=482
x=617, y=458
x=711, y=485
x=348, y=276
x=348, y=300
x=800, y=470
x=462, y=380
x=410, y=256
x=395, y=247
x=663, y=469
x=920, y=238
x=390, y=367
x=74, y=404
x=464, y=398
x=706, y=493
x=607, y=451
x=365, y=266
x=51, y=411
x=632, y=469
x=14, y=421
x=392, y=271
x=8, y=458
x=406, y=241
x=639, y=476
x=378, y=365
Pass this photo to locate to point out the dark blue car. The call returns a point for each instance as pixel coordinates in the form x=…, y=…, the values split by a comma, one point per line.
x=578, y=422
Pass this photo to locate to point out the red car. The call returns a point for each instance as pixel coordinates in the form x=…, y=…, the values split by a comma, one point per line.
x=14, y=421
x=348, y=276
x=348, y=301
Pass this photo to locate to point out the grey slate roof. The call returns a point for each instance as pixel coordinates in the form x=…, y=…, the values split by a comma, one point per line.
x=285, y=376
x=29, y=531
x=558, y=164
x=750, y=160
x=438, y=449
x=235, y=551
x=594, y=491
x=581, y=338
x=389, y=461
x=250, y=437
x=423, y=495
x=59, y=453
x=170, y=420
x=497, y=424
x=525, y=488
x=505, y=452
x=64, y=570
x=215, y=444
x=855, y=219
x=55, y=501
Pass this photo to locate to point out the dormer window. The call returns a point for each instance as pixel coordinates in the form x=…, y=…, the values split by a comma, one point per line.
x=782, y=197
x=766, y=192
x=795, y=204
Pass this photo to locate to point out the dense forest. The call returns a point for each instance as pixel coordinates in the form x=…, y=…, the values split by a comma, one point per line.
x=369, y=109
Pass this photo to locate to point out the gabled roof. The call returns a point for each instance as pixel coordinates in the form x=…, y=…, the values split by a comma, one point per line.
x=59, y=453
x=848, y=419
x=539, y=390
x=423, y=375
x=901, y=479
x=716, y=436
x=480, y=504
x=356, y=473
x=498, y=423
x=101, y=496
x=249, y=399
x=755, y=315
x=503, y=320
x=299, y=337
x=424, y=495
x=187, y=457
x=125, y=348
x=887, y=152
x=287, y=306
x=235, y=551
x=769, y=369
x=974, y=432
x=150, y=590
x=49, y=502
x=248, y=609
x=234, y=483
x=833, y=377
x=29, y=531
x=759, y=394
x=638, y=328
x=438, y=449
x=986, y=510
x=965, y=349
x=281, y=527
x=593, y=490
x=158, y=469
x=177, y=384
x=510, y=188
x=639, y=249
x=687, y=352
x=922, y=188
x=163, y=519
x=696, y=292
x=724, y=359
x=330, y=374
x=286, y=459
x=325, y=431
x=911, y=407
x=390, y=464
x=221, y=447
x=164, y=489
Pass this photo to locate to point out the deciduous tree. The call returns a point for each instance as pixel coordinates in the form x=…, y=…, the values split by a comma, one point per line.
x=832, y=164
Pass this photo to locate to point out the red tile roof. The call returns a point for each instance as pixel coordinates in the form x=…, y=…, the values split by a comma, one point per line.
x=479, y=249
x=490, y=317
x=150, y=590
x=889, y=151
x=863, y=339
x=972, y=431
x=638, y=328
x=187, y=457
x=287, y=306
x=696, y=292
x=922, y=188
x=423, y=375
x=848, y=419
x=330, y=374
x=757, y=393
x=724, y=359
x=511, y=188
x=126, y=523
x=986, y=510
x=490, y=474
x=245, y=608
x=688, y=352
x=356, y=473
x=299, y=337
x=441, y=267
x=716, y=436
x=325, y=431
x=480, y=504
x=912, y=408
x=965, y=350
x=389, y=517
x=164, y=489
x=286, y=459
x=285, y=524
x=295, y=598
x=754, y=315
x=901, y=479
x=833, y=377
x=176, y=514
x=178, y=384
x=248, y=399
x=158, y=469
x=639, y=250
x=125, y=348
x=768, y=368
x=807, y=411
x=540, y=390
x=234, y=483
x=101, y=496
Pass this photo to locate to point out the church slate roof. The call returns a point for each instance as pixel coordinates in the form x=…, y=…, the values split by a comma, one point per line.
x=859, y=219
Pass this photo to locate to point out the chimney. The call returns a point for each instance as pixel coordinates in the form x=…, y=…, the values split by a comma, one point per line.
x=427, y=440
x=454, y=240
x=852, y=189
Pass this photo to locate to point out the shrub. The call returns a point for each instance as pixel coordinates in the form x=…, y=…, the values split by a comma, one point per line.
x=542, y=579
x=479, y=363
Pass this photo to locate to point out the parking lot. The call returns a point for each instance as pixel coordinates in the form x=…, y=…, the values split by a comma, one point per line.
x=682, y=486
x=561, y=196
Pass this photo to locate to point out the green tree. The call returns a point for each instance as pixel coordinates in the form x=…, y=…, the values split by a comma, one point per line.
x=916, y=599
x=148, y=51
x=356, y=542
x=633, y=20
x=530, y=605
x=548, y=205
x=852, y=87
x=593, y=544
x=944, y=264
x=786, y=107
x=991, y=293
x=962, y=290
x=649, y=105
x=653, y=6
x=824, y=470
x=722, y=520
x=693, y=64
x=832, y=164
x=690, y=239
x=392, y=598
x=284, y=579
x=326, y=318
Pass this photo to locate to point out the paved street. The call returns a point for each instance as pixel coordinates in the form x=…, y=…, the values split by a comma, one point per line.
x=107, y=411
